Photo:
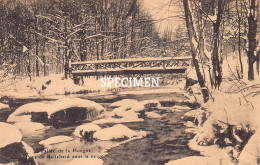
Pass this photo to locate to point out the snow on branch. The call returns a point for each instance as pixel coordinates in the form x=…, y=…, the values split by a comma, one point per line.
x=50, y=39
x=211, y=18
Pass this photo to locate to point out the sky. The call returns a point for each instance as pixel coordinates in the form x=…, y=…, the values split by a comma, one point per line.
x=166, y=12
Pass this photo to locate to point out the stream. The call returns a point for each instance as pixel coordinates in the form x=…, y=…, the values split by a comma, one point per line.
x=166, y=139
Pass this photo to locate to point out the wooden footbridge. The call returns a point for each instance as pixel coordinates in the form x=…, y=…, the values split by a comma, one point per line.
x=130, y=66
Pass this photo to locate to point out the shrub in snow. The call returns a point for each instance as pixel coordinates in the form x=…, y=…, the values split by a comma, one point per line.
x=226, y=128
x=227, y=112
x=64, y=110
x=12, y=149
x=55, y=140
x=86, y=131
x=118, y=131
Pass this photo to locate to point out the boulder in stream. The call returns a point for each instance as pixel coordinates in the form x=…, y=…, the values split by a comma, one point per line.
x=63, y=111
x=55, y=140
x=125, y=102
x=117, y=132
x=153, y=115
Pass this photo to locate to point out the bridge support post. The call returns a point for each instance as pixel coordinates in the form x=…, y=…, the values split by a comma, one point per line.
x=82, y=80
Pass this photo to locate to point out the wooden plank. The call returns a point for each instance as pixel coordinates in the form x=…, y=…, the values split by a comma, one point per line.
x=132, y=60
x=129, y=71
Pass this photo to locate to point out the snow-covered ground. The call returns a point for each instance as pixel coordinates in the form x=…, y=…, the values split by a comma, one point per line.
x=21, y=87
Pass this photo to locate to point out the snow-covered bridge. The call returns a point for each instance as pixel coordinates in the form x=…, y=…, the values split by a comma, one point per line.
x=131, y=66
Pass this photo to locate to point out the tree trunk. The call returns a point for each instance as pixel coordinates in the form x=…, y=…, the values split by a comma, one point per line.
x=239, y=39
x=251, y=44
x=217, y=72
x=191, y=35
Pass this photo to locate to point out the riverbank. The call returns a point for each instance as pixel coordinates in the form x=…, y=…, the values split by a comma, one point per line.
x=228, y=125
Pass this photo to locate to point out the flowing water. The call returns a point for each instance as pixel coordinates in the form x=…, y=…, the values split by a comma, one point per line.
x=166, y=139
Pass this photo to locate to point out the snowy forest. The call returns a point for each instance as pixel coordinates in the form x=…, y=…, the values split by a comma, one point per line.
x=208, y=114
x=38, y=37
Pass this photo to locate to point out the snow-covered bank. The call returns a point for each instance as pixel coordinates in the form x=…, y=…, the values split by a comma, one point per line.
x=228, y=124
x=22, y=87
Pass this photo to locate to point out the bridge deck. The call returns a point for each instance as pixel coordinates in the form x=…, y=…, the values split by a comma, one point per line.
x=131, y=66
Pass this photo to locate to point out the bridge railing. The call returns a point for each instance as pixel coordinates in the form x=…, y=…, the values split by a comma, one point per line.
x=130, y=65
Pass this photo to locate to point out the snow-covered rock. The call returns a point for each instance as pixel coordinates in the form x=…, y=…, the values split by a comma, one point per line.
x=181, y=107
x=29, y=126
x=2, y=106
x=118, y=112
x=197, y=115
x=20, y=118
x=120, y=120
x=86, y=161
x=129, y=104
x=153, y=115
x=53, y=107
x=86, y=130
x=125, y=102
x=55, y=140
x=118, y=131
x=12, y=148
x=17, y=153
x=9, y=134
x=190, y=124
x=137, y=107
